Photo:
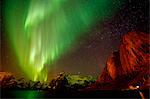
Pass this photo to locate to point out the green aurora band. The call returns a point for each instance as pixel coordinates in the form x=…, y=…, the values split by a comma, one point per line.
x=41, y=31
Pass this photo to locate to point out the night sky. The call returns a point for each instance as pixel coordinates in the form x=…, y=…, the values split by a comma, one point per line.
x=89, y=53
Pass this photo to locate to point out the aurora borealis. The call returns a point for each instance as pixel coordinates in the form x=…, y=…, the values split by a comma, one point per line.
x=81, y=32
x=50, y=28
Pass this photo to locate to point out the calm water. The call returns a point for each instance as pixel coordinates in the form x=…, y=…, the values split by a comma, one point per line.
x=36, y=94
x=26, y=94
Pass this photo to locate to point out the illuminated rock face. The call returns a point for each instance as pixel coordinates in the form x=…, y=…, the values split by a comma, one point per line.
x=134, y=52
x=129, y=65
x=5, y=75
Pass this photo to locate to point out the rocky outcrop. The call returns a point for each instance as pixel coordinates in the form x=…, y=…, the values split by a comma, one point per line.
x=128, y=66
x=7, y=80
x=5, y=75
x=134, y=52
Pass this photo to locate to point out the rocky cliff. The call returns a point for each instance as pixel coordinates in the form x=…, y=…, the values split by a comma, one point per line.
x=129, y=66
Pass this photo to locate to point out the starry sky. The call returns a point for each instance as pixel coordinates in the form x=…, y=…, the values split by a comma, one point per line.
x=89, y=53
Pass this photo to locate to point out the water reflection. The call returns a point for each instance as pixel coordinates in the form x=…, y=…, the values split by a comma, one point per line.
x=27, y=94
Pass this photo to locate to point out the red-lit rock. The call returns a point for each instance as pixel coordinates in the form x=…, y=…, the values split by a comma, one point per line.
x=5, y=77
x=134, y=52
x=128, y=66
